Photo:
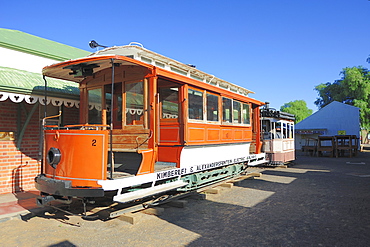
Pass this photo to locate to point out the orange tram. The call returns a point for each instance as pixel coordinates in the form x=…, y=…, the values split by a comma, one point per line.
x=148, y=125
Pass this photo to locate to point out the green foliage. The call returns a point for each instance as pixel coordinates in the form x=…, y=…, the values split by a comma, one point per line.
x=352, y=89
x=298, y=108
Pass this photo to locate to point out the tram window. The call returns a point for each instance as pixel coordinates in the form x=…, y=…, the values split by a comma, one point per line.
x=169, y=100
x=134, y=103
x=267, y=130
x=237, y=113
x=195, y=104
x=292, y=131
x=290, y=126
x=285, y=130
x=278, y=131
x=246, y=114
x=117, y=104
x=95, y=106
x=212, y=107
x=226, y=110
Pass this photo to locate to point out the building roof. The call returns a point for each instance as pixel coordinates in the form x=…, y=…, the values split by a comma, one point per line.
x=24, y=82
x=28, y=83
x=335, y=115
x=24, y=42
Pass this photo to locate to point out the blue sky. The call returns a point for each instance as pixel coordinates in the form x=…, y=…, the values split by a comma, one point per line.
x=280, y=49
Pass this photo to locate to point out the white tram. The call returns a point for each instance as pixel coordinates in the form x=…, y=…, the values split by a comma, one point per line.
x=278, y=135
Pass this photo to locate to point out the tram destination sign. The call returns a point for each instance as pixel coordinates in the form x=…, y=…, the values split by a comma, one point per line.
x=198, y=168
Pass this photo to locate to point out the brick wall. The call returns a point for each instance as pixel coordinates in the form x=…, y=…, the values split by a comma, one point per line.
x=18, y=168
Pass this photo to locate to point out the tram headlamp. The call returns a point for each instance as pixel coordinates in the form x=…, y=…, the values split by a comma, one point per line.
x=53, y=157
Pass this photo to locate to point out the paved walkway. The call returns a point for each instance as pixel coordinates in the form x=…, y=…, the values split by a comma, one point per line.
x=23, y=203
x=318, y=201
x=17, y=204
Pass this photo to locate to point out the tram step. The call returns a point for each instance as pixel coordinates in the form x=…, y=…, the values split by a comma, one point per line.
x=149, y=191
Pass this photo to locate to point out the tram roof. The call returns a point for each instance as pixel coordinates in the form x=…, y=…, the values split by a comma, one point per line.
x=142, y=54
x=133, y=55
x=69, y=70
x=272, y=113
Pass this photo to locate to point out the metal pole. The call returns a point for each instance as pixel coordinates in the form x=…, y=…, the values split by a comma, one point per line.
x=111, y=123
x=42, y=142
x=45, y=94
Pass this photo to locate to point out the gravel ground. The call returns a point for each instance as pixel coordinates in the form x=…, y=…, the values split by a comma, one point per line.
x=317, y=201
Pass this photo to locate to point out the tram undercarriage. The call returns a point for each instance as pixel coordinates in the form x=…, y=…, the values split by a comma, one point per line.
x=141, y=196
x=177, y=179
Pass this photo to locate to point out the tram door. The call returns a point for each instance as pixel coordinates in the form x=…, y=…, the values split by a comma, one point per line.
x=255, y=147
x=99, y=111
x=170, y=133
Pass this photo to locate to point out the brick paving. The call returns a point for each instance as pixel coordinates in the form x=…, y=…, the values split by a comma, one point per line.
x=318, y=201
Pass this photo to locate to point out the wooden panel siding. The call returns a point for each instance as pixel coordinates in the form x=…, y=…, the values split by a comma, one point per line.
x=217, y=134
x=238, y=135
x=197, y=134
x=169, y=135
x=213, y=134
x=126, y=140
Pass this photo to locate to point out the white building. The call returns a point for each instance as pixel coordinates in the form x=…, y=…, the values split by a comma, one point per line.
x=334, y=119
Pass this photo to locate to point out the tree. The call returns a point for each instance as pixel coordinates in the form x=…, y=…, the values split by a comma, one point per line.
x=298, y=108
x=352, y=89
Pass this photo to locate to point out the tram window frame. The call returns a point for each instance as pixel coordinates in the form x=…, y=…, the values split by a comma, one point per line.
x=227, y=116
x=200, y=116
x=285, y=130
x=267, y=129
x=118, y=104
x=290, y=130
x=278, y=133
x=99, y=112
x=166, y=84
x=237, y=118
x=211, y=112
x=246, y=119
x=241, y=119
x=127, y=110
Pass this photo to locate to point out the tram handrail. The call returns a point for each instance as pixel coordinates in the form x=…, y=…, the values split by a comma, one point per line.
x=84, y=126
x=55, y=116
x=50, y=117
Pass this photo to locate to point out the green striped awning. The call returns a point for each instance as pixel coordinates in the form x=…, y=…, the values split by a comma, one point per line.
x=24, y=82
